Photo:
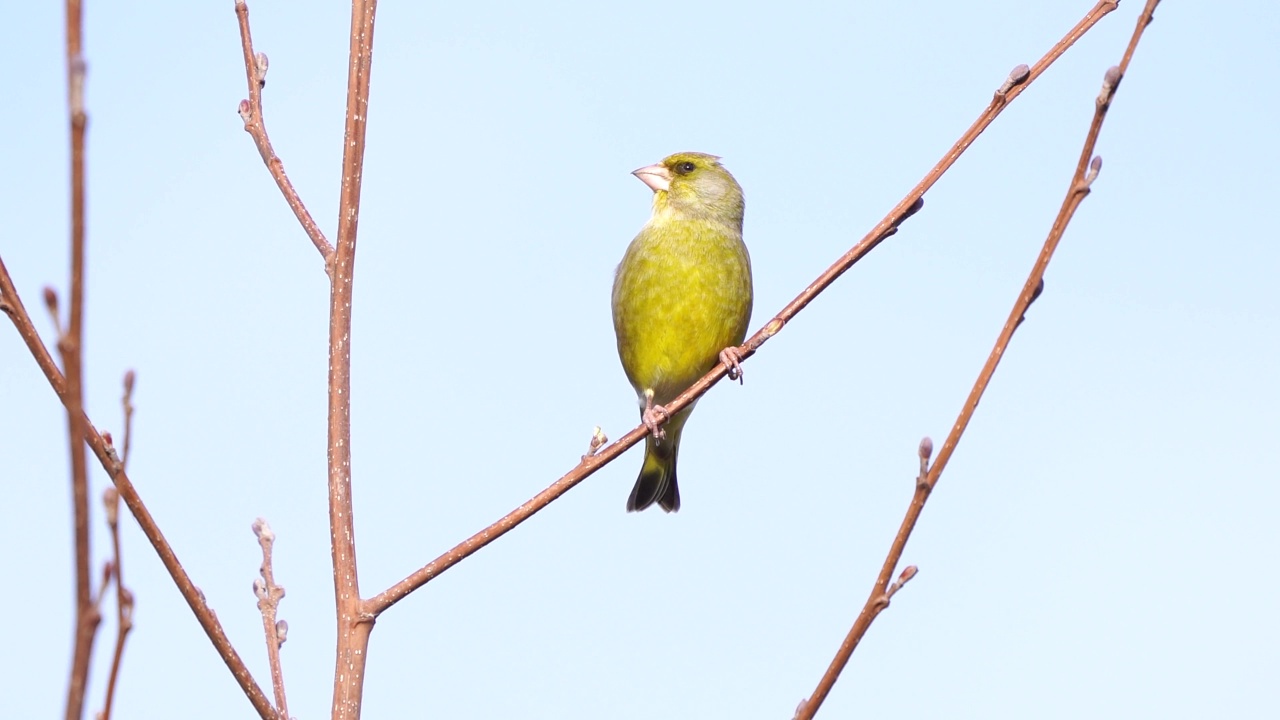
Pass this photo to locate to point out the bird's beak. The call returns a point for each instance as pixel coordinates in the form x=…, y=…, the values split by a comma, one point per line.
x=657, y=177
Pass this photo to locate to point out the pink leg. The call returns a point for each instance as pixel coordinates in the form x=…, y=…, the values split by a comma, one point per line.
x=653, y=416
x=732, y=359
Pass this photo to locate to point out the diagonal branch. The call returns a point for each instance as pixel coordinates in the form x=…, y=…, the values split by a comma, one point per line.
x=11, y=305
x=1086, y=171
x=1018, y=80
x=255, y=68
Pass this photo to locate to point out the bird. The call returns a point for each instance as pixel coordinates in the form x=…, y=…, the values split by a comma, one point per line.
x=681, y=303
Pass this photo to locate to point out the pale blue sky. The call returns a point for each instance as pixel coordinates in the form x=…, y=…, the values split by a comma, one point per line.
x=1103, y=544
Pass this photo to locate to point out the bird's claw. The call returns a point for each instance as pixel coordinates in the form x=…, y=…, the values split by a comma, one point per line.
x=653, y=417
x=731, y=357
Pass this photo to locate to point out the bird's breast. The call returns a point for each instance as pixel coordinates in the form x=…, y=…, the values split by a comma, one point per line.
x=681, y=295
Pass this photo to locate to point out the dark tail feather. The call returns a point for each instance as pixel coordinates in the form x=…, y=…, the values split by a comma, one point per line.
x=657, y=481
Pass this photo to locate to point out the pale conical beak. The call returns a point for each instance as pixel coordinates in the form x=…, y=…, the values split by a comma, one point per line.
x=657, y=177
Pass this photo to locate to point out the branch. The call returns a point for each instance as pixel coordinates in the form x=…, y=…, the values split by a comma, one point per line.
x=255, y=68
x=124, y=597
x=11, y=305
x=70, y=348
x=354, y=624
x=1086, y=172
x=269, y=595
x=1018, y=80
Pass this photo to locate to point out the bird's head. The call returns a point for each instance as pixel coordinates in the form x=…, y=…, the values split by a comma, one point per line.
x=694, y=184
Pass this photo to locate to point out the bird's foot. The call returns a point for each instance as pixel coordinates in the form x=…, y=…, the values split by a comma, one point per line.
x=732, y=359
x=653, y=417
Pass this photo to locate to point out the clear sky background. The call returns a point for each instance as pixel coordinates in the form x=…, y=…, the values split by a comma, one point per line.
x=1103, y=543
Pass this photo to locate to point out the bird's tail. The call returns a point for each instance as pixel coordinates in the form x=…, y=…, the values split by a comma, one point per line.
x=657, y=481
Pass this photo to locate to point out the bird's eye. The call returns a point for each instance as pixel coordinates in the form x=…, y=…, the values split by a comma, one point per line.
x=685, y=168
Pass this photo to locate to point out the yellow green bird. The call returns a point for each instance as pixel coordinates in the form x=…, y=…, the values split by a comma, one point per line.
x=681, y=303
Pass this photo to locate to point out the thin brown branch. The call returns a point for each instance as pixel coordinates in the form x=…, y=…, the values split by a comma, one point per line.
x=1086, y=171
x=586, y=468
x=598, y=440
x=124, y=597
x=70, y=347
x=1018, y=80
x=12, y=305
x=353, y=624
x=269, y=595
x=126, y=402
x=255, y=68
x=108, y=574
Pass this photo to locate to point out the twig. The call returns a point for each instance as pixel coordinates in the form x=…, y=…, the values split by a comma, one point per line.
x=71, y=349
x=598, y=440
x=126, y=402
x=12, y=305
x=1086, y=171
x=255, y=68
x=124, y=597
x=354, y=624
x=269, y=595
x=108, y=574
x=1018, y=80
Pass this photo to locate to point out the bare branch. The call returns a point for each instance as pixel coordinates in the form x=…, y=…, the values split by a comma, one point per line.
x=71, y=350
x=13, y=307
x=124, y=597
x=1018, y=81
x=269, y=595
x=255, y=68
x=1086, y=171
x=130, y=377
x=354, y=624
x=598, y=440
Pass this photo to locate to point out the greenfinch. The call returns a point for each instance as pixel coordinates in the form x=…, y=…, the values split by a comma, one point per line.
x=681, y=303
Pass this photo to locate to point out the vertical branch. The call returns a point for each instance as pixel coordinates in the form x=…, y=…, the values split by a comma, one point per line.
x=69, y=346
x=124, y=597
x=269, y=596
x=11, y=305
x=353, y=617
x=354, y=623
